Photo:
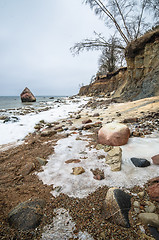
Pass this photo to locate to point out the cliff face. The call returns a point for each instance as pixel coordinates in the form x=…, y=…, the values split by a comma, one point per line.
x=141, y=77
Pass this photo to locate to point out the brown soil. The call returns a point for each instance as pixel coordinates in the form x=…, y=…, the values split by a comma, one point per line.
x=16, y=187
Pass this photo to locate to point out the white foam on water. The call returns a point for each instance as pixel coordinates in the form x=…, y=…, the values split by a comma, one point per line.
x=58, y=173
x=12, y=132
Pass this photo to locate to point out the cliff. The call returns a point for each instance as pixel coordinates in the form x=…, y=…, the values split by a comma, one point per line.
x=139, y=79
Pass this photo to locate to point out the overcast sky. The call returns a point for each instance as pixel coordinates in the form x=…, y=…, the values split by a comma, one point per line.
x=35, y=38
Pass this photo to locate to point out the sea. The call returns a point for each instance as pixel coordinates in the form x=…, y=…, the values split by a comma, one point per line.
x=17, y=119
x=12, y=102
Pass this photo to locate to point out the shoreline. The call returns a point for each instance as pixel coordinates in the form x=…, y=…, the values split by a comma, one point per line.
x=19, y=185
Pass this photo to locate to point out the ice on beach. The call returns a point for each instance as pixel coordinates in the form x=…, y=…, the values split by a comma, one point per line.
x=62, y=227
x=14, y=131
x=58, y=173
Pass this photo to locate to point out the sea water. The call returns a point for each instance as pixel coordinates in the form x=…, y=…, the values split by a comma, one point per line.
x=18, y=119
x=14, y=102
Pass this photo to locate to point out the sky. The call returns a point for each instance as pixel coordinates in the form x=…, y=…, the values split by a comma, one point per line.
x=35, y=41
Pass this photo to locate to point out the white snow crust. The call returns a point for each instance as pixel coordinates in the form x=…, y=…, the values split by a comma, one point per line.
x=58, y=173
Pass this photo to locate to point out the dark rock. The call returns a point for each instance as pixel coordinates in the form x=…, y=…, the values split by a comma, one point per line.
x=96, y=115
x=155, y=159
x=140, y=162
x=130, y=120
x=78, y=116
x=8, y=119
x=27, y=215
x=27, y=96
x=116, y=206
x=118, y=114
x=11, y=119
x=87, y=126
x=86, y=121
x=153, y=191
x=154, y=232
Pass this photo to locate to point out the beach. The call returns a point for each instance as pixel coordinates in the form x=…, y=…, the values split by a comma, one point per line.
x=64, y=137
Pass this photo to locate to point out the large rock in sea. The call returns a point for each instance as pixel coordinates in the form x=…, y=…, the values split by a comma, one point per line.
x=27, y=215
x=27, y=96
x=114, y=134
x=116, y=206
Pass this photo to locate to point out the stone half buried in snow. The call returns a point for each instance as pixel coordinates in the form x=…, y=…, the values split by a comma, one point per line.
x=140, y=162
x=27, y=96
x=116, y=206
x=114, y=158
x=114, y=134
x=78, y=170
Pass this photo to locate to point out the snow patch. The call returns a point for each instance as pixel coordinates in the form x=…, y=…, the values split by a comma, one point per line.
x=58, y=173
x=62, y=228
x=12, y=132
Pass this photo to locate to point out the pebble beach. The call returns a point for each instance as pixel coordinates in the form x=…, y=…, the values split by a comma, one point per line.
x=40, y=148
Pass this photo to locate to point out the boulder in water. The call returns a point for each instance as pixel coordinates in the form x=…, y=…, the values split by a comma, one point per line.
x=27, y=96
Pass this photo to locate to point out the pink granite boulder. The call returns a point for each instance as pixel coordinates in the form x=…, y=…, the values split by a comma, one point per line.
x=27, y=96
x=114, y=134
x=155, y=159
x=154, y=192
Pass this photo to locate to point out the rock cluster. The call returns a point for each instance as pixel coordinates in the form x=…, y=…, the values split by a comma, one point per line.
x=114, y=158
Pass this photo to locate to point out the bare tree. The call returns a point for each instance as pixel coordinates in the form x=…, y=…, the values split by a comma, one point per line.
x=127, y=16
x=97, y=43
x=111, y=57
x=112, y=51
